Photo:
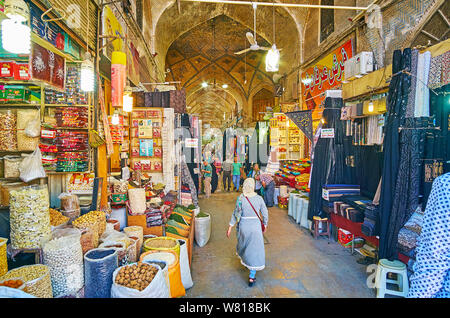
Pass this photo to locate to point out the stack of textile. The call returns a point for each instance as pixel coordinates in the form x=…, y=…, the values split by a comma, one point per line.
x=370, y=220
x=333, y=193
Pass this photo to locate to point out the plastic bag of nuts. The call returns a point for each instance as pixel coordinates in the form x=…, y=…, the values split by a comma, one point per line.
x=139, y=280
x=36, y=277
x=87, y=240
x=11, y=166
x=29, y=217
x=8, y=128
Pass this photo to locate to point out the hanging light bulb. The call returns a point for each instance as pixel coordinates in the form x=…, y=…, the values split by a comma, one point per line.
x=370, y=107
x=127, y=100
x=115, y=118
x=17, y=10
x=225, y=86
x=87, y=74
x=204, y=84
x=273, y=59
x=16, y=37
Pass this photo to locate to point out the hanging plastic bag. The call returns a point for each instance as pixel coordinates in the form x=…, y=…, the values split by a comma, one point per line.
x=156, y=288
x=202, y=229
x=31, y=167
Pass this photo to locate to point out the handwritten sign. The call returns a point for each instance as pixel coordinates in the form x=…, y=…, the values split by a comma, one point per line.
x=324, y=75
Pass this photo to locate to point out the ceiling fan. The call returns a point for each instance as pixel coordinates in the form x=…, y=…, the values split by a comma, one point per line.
x=252, y=37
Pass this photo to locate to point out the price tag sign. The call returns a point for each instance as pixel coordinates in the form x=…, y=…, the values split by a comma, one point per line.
x=191, y=142
x=327, y=133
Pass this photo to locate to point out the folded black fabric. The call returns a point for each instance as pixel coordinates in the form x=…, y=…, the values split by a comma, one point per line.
x=354, y=215
x=368, y=227
x=358, y=202
x=371, y=212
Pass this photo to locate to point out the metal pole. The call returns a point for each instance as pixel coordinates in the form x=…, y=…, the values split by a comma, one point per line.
x=289, y=5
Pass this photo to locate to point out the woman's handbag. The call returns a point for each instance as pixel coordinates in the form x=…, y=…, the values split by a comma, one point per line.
x=263, y=227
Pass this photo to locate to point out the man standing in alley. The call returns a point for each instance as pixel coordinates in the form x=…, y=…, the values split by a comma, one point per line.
x=207, y=174
x=226, y=167
x=236, y=174
x=269, y=188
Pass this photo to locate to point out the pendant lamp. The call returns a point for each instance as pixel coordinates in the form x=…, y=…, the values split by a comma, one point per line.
x=16, y=36
x=127, y=100
x=273, y=59
x=87, y=74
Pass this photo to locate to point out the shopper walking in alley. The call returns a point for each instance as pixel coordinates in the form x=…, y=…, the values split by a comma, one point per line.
x=269, y=188
x=227, y=167
x=207, y=174
x=217, y=169
x=236, y=174
x=249, y=230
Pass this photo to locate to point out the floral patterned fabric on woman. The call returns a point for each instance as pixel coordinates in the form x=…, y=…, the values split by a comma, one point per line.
x=431, y=278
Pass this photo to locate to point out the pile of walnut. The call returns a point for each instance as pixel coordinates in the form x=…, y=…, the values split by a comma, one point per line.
x=137, y=276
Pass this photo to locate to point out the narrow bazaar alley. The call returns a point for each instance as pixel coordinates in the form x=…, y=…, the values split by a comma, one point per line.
x=296, y=264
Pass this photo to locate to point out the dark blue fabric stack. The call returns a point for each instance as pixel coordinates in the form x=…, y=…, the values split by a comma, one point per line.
x=369, y=227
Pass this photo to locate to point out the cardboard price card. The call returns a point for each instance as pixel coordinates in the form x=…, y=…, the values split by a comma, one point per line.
x=145, y=128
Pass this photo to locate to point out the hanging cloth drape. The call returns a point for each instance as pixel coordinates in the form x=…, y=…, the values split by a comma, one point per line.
x=396, y=103
x=328, y=163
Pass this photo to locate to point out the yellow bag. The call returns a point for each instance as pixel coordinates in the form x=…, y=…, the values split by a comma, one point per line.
x=151, y=244
x=176, y=285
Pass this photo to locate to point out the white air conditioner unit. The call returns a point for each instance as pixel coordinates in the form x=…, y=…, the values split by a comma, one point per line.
x=358, y=66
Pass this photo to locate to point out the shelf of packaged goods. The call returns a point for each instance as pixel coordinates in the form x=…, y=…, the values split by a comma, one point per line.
x=20, y=105
x=47, y=45
x=65, y=128
x=15, y=151
x=7, y=81
x=64, y=172
x=66, y=105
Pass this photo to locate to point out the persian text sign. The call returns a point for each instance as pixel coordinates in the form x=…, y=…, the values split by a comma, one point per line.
x=324, y=75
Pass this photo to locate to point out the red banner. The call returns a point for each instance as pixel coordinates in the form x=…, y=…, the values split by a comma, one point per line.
x=324, y=75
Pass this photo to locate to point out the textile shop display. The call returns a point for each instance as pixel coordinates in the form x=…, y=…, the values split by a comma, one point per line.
x=328, y=166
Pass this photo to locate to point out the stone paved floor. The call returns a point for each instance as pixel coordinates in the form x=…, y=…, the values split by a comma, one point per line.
x=296, y=264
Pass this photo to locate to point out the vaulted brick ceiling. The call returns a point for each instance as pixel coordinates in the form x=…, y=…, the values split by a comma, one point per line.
x=198, y=45
x=206, y=54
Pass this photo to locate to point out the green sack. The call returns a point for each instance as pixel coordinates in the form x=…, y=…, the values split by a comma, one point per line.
x=177, y=218
x=173, y=230
x=175, y=224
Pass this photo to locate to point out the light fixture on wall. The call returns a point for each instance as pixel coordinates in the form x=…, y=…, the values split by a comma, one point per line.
x=87, y=73
x=16, y=36
x=127, y=100
x=225, y=86
x=204, y=85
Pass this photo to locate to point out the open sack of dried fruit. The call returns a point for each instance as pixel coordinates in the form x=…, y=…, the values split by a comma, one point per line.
x=139, y=280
